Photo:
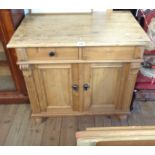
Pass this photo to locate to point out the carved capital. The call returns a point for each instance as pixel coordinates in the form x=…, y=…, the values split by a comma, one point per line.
x=135, y=65
x=24, y=66
x=135, y=68
x=26, y=69
x=134, y=71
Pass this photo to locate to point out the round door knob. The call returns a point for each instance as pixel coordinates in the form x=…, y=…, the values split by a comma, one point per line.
x=86, y=86
x=52, y=53
x=75, y=87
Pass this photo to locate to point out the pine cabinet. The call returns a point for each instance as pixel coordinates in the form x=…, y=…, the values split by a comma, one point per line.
x=80, y=64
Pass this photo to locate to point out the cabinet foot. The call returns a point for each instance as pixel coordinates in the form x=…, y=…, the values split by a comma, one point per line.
x=38, y=119
x=123, y=117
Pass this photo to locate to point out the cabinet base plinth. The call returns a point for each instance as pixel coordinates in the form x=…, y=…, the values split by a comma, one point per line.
x=38, y=119
x=123, y=117
x=44, y=115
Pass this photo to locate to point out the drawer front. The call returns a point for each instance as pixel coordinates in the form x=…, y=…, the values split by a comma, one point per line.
x=106, y=53
x=52, y=53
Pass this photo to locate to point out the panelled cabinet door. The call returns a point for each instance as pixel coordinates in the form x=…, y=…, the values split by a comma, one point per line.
x=103, y=86
x=54, y=86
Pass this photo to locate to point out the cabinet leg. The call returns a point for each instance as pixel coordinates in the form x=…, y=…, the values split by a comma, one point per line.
x=38, y=120
x=123, y=117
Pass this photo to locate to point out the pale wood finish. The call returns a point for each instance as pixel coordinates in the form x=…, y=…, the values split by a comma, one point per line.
x=56, y=87
x=107, y=82
x=116, y=134
x=60, y=53
x=89, y=53
x=21, y=54
x=75, y=93
x=127, y=143
x=129, y=86
x=76, y=61
x=31, y=88
x=105, y=53
x=108, y=92
x=98, y=50
x=97, y=29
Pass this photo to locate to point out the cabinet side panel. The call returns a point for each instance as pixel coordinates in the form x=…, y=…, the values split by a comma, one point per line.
x=40, y=89
x=123, y=80
x=128, y=91
x=31, y=88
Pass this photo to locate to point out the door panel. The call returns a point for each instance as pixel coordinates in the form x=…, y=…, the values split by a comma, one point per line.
x=55, y=82
x=104, y=84
x=57, y=86
x=107, y=81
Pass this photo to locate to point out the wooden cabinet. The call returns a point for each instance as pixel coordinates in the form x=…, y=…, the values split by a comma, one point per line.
x=83, y=70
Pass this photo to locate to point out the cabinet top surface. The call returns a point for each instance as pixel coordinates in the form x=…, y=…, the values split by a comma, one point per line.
x=97, y=29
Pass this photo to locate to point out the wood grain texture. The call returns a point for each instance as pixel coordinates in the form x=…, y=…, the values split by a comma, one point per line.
x=21, y=54
x=87, y=50
x=17, y=127
x=68, y=128
x=107, y=82
x=129, y=86
x=33, y=133
x=97, y=29
x=85, y=122
x=59, y=53
x=75, y=93
x=7, y=115
x=56, y=84
x=101, y=121
x=113, y=134
x=127, y=143
x=107, y=53
x=30, y=84
x=51, y=132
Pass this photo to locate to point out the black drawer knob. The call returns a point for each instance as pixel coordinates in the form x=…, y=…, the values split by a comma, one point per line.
x=52, y=53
